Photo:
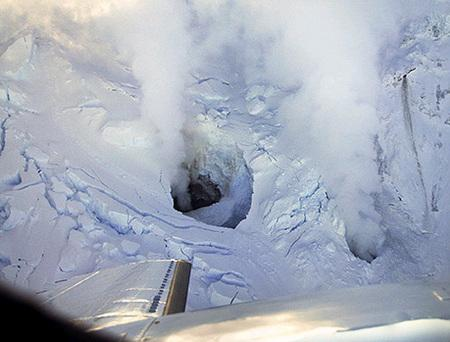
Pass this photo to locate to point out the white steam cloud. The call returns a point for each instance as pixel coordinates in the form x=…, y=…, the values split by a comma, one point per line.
x=328, y=49
x=151, y=36
x=156, y=36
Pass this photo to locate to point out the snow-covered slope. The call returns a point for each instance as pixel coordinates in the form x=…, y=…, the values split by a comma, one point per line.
x=82, y=187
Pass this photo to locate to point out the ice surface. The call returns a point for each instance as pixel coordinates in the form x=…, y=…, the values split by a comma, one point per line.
x=82, y=187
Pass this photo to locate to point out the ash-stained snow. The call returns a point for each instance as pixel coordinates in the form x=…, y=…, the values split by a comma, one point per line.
x=79, y=190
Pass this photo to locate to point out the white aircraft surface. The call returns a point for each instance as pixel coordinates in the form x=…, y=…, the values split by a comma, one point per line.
x=135, y=302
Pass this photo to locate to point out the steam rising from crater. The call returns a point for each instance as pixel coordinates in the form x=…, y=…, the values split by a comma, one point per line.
x=328, y=50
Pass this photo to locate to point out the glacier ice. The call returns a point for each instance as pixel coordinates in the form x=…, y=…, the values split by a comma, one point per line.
x=84, y=183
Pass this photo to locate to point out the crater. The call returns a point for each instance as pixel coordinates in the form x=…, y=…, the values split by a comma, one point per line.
x=202, y=192
x=220, y=185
